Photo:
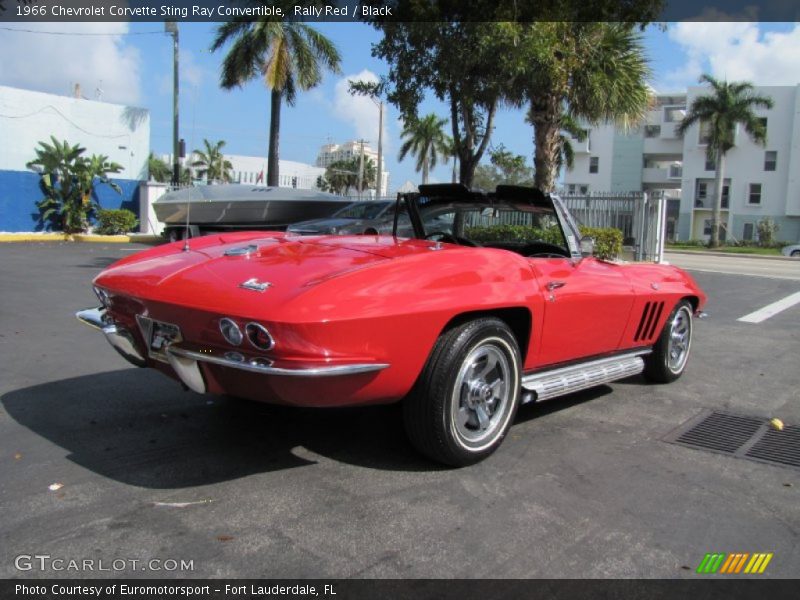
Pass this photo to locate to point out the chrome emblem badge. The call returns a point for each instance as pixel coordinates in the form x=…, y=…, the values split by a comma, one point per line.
x=255, y=285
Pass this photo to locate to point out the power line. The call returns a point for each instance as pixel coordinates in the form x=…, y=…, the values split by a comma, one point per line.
x=67, y=119
x=80, y=33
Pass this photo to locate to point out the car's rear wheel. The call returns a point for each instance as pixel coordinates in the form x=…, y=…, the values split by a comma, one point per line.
x=795, y=253
x=465, y=400
x=671, y=352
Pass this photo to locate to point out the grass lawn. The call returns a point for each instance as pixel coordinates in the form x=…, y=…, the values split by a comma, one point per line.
x=727, y=249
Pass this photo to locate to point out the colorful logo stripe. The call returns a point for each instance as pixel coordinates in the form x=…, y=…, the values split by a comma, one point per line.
x=733, y=563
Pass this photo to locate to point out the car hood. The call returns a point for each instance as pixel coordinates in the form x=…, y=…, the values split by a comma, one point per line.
x=209, y=276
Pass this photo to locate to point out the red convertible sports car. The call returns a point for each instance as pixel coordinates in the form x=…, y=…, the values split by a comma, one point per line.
x=497, y=301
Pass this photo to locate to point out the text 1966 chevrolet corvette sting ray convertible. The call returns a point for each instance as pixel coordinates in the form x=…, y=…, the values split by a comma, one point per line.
x=495, y=302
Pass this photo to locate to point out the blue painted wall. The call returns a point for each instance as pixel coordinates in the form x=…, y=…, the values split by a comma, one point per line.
x=19, y=193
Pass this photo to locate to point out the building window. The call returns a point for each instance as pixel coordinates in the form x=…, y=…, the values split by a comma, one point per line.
x=673, y=114
x=747, y=234
x=702, y=190
x=594, y=164
x=754, y=195
x=584, y=189
x=726, y=188
x=770, y=160
x=711, y=165
x=764, y=121
x=652, y=131
x=704, y=135
x=571, y=188
x=707, y=227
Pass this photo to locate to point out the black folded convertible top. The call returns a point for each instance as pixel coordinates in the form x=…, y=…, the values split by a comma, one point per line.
x=457, y=192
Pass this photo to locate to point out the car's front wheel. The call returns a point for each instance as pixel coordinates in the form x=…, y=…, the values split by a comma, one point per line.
x=671, y=352
x=465, y=400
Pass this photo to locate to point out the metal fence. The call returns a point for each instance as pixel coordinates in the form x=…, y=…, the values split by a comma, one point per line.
x=641, y=216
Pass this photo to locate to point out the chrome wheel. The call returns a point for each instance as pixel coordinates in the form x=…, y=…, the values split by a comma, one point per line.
x=680, y=339
x=483, y=394
x=465, y=399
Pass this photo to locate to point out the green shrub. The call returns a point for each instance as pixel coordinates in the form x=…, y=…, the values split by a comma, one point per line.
x=767, y=228
x=607, y=241
x=115, y=221
x=515, y=233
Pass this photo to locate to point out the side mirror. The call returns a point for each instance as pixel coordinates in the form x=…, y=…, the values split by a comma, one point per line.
x=587, y=245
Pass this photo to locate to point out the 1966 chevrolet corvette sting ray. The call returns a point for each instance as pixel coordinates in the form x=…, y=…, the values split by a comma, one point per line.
x=496, y=301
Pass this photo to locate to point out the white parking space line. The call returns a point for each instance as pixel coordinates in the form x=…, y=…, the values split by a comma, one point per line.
x=762, y=314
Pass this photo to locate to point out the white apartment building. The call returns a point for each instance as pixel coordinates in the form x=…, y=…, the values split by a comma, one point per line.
x=330, y=153
x=760, y=181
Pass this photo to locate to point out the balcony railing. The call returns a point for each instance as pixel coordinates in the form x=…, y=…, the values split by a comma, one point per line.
x=708, y=203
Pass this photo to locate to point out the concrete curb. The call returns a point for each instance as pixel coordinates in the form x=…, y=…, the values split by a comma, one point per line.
x=81, y=237
x=726, y=254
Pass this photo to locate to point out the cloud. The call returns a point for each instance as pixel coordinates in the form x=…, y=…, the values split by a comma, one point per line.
x=360, y=111
x=192, y=74
x=55, y=63
x=736, y=51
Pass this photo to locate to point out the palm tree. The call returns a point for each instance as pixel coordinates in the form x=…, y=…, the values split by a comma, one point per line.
x=728, y=105
x=67, y=181
x=158, y=170
x=570, y=130
x=425, y=139
x=342, y=175
x=212, y=164
x=594, y=71
x=452, y=155
x=288, y=55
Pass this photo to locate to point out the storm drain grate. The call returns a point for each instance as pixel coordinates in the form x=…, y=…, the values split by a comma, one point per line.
x=740, y=436
x=778, y=446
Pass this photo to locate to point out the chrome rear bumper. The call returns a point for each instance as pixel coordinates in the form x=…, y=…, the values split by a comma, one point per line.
x=264, y=366
x=185, y=361
x=119, y=337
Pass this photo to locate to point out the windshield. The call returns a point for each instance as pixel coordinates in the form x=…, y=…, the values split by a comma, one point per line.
x=504, y=225
x=362, y=210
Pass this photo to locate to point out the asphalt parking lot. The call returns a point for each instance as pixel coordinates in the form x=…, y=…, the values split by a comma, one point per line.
x=583, y=486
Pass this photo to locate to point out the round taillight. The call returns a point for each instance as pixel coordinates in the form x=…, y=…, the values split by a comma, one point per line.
x=259, y=337
x=230, y=331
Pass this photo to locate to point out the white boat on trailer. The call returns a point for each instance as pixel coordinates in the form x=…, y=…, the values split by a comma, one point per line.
x=212, y=208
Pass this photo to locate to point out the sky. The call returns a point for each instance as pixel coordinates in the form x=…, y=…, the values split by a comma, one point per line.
x=133, y=65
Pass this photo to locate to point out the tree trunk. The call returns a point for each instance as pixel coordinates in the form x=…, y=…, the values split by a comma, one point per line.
x=545, y=115
x=717, y=209
x=425, y=170
x=468, y=155
x=466, y=171
x=274, y=138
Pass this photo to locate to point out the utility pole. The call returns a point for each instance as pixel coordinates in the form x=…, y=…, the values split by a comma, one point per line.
x=360, y=168
x=379, y=174
x=171, y=27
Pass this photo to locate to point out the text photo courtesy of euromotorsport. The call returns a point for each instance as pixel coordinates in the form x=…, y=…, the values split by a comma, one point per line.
x=184, y=12
x=187, y=591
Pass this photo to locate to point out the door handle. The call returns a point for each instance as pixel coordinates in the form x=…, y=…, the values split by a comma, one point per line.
x=554, y=285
